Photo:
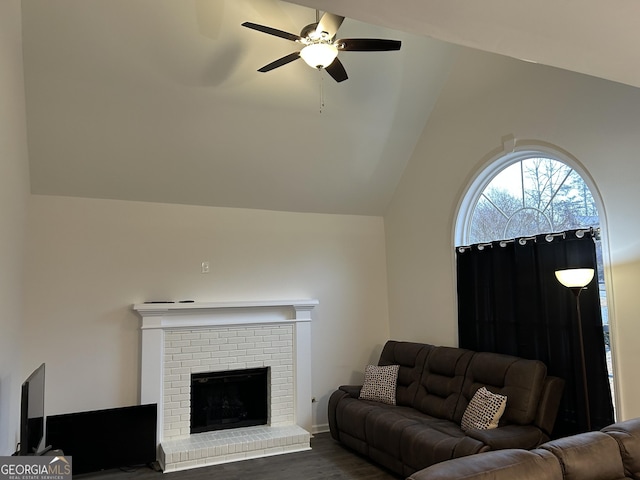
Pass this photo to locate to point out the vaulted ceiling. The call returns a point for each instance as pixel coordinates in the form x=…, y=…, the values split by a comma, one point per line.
x=586, y=36
x=160, y=100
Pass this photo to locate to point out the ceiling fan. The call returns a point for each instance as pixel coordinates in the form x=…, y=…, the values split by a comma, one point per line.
x=320, y=48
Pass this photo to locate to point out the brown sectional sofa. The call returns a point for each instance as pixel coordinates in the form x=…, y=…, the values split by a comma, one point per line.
x=610, y=454
x=434, y=387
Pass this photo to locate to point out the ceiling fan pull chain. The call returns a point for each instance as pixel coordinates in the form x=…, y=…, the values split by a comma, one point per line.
x=321, y=89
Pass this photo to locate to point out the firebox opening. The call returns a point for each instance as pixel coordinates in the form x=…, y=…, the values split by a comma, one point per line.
x=230, y=399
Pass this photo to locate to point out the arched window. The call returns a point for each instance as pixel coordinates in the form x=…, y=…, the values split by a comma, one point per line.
x=525, y=193
x=530, y=192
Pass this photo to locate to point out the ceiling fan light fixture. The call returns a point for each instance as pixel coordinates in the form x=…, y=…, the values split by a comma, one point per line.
x=319, y=55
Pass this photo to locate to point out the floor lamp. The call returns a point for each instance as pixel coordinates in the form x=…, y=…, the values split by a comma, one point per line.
x=576, y=279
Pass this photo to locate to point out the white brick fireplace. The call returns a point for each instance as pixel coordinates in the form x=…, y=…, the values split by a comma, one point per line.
x=180, y=339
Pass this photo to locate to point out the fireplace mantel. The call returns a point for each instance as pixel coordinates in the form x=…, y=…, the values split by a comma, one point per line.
x=196, y=314
x=158, y=319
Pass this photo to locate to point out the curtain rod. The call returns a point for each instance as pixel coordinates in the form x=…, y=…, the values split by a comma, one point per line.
x=594, y=232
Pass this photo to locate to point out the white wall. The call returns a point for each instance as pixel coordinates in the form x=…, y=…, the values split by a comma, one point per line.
x=14, y=189
x=90, y=260
x=487, y=98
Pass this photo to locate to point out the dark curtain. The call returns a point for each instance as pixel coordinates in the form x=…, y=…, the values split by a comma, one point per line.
x=509, y=301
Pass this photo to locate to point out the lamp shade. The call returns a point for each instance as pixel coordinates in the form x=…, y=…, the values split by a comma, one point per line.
x=319, y=55
x=575, y=277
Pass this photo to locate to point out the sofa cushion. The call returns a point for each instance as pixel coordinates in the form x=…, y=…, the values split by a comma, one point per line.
x=441, y=382
x=500, y=465
x=384, y=428
x=520, y=380
x=484, y=410
x=510, y=436
x=411, y=358
x=380, y=383
x=424, y=444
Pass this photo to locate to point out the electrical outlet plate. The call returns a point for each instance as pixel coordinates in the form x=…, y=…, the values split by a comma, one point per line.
x=204, y=267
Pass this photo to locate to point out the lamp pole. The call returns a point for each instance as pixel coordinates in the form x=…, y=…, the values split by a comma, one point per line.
x=576, y=291
x=576, y=279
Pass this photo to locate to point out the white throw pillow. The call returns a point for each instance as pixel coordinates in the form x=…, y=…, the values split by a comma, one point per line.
x=380, y=383
x=484, y=410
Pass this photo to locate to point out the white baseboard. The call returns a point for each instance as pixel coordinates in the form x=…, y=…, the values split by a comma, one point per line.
x=320, y=428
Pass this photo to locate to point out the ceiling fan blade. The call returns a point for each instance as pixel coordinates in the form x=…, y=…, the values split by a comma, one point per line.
x=273, y=31
x=337, y=71
x=367, y=44
x=329, y=24
x=280, y=62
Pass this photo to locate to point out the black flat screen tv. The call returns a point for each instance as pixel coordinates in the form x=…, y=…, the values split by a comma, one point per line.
x=105, y=439
x=32, y=413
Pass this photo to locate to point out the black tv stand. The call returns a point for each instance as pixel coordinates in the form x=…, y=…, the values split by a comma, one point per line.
x=105, y=439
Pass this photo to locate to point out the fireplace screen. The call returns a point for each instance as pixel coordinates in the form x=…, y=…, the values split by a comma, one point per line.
x=231, y=399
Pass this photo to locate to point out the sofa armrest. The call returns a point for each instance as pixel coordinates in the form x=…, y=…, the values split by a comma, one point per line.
x=549, y=404
x=588, y=456
x=344, y=391
x=509, y=436
x=352, y=390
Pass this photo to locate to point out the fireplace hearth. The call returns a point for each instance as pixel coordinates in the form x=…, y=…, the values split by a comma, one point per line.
x=229, y=399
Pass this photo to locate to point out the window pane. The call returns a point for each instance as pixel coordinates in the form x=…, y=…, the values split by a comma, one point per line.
x=530, y=197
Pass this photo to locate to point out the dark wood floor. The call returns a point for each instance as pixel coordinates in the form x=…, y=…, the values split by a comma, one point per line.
x=327, y=460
